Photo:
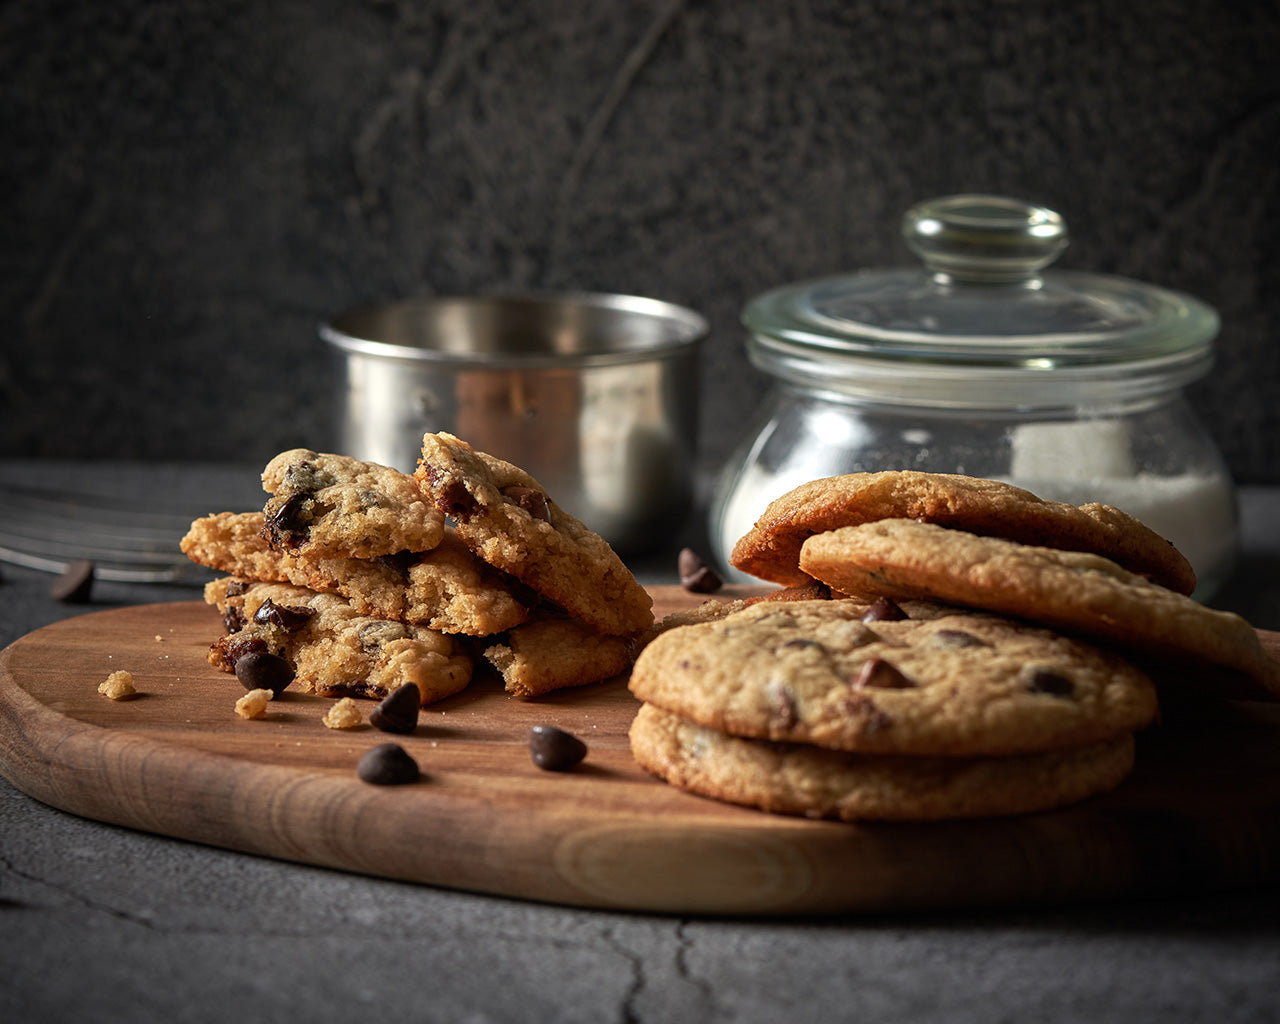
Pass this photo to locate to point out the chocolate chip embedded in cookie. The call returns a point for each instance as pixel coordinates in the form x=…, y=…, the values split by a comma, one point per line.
x=505, y=516
x=771, y=549
x=232, y=542
x=790, y=778
x=341, y=505
x=946, y=684
x=334, y=651
x=447, y=588
x=1081, y=593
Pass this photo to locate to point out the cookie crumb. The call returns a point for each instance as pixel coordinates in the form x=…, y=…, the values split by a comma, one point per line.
x=117, y=686
x=253, y=704
x=344, y=714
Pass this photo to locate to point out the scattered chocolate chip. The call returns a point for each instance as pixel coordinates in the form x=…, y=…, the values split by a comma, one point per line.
x=1047, y=681
x=237, y=587
x=878, y=674
x=75, y=583
x=695, y=575
x=883, y=610
x=290, y=618
x=387, y=764
x=555, y=750
x=957, y=638
x=398, y=711
x=262, y=670
x=530, y=499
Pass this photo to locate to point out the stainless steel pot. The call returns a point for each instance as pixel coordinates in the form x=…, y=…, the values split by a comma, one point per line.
x=594, y=395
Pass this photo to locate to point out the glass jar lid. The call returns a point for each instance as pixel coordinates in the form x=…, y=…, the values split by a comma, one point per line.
x=983, y=300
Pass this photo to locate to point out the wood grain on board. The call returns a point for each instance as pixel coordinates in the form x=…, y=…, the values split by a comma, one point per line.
x=1202, y=809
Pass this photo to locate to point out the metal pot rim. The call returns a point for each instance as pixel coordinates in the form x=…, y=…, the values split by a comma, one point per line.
x=686, y=330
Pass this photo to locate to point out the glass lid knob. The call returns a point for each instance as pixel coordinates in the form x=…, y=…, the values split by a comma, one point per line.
x=984, y=239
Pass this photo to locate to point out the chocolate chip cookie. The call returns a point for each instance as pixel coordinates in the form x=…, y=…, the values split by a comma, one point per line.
x=771, y=549
x=944, y=683
x=505, y=516
x=789, y=778
x=343, y=506
x=233, y=543
x=446, y=588
x=332, y=649
x=1078, y=592
x=554, y=652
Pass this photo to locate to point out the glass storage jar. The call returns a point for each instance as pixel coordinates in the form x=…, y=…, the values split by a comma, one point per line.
x=985, y=363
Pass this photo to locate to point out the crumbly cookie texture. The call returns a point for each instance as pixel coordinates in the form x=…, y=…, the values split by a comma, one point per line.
x=333, y=649
x=554, y=652
x=1073, y=591
x=233, y=543
x=505, y=516
x=447, y=588
x=342, y=714
x=450, y=589
x=788, y=778
x=254, y=703
x=771, y=549
x=341, y=505
x=118, y=685
x=941, y=685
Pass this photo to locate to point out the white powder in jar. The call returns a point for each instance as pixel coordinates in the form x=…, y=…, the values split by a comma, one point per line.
x=1091, y=461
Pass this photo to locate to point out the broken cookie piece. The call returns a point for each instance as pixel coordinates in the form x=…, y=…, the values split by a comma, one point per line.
x=507, y=519
x=446, y=588
x=555, y=652
x=341, y=505
x=333, y=650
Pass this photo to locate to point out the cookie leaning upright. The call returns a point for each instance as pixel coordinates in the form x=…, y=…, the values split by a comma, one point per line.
x=1078, y=592
x=991, y=508
x=506, y=517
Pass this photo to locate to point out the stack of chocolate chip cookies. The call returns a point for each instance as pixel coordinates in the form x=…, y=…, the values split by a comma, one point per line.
x=942, y=647
x=361, y=578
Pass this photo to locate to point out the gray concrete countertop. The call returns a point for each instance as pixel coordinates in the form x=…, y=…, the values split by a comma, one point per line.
x=99, y=923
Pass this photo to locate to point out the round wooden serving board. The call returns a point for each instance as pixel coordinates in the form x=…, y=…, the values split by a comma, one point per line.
x=1202, y=808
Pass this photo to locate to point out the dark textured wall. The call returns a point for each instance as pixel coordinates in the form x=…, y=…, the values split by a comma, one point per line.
x=189, y=186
